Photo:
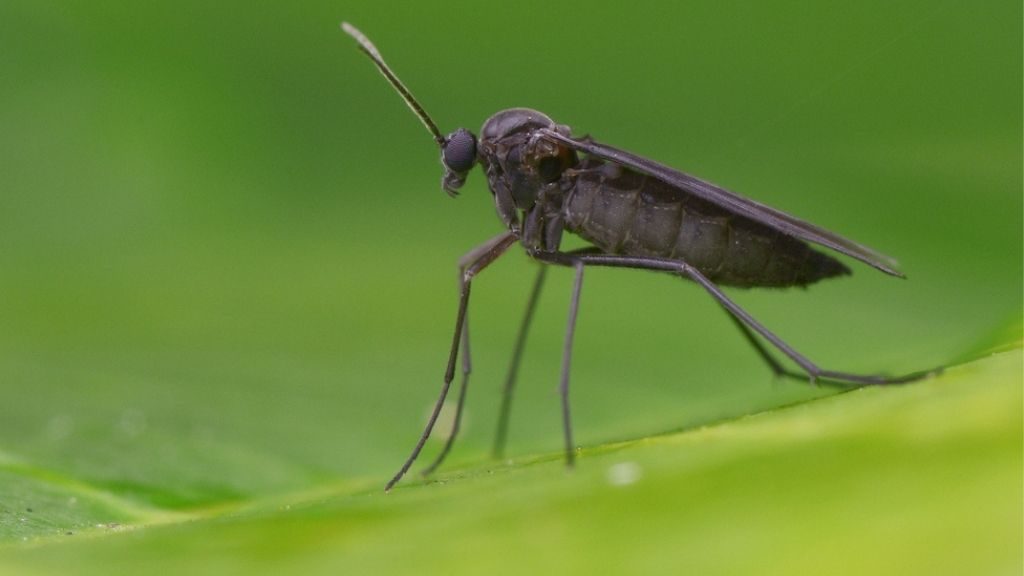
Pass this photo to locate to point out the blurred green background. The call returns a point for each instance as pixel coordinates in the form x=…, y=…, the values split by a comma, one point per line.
x=227, y=267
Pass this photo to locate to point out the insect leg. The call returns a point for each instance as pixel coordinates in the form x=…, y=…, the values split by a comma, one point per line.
x=813, y=372
x=826, y=376
x=467, y=364
x=563, y=387
x=467, y=367
x=777, y=368
x=513, y=369
x=471, y=264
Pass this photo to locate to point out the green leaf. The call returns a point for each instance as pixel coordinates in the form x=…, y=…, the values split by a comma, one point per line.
x=922, y=478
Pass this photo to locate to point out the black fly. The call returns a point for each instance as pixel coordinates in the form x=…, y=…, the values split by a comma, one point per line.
x=635, y=213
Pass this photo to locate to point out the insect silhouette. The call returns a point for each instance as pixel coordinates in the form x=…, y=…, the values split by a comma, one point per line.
x=635, y=213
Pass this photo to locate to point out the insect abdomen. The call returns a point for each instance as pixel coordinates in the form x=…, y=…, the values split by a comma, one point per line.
x=625, y=212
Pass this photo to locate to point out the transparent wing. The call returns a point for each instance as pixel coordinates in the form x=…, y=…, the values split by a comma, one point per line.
x=731, y=201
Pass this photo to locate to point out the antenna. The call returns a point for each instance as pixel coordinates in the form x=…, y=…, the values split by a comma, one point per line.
x=366, y=46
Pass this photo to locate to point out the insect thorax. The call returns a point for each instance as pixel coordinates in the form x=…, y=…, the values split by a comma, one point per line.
x=518, y=163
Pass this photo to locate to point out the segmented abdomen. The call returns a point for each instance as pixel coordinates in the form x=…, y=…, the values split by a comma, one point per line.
x=625, y=212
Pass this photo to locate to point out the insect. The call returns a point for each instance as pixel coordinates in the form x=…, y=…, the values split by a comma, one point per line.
x=635, y=213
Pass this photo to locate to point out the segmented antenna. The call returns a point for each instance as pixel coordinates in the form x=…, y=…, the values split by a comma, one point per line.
x=366, y=46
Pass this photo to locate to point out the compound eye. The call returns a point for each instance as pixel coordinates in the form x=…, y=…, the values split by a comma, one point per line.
x=459, y=152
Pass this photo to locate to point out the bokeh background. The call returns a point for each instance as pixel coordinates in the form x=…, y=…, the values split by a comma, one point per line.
x=227, y=268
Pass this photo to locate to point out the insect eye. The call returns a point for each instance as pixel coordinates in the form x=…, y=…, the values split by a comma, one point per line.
x=459, y=152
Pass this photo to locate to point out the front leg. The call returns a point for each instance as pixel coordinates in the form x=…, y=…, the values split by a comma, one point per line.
x=469, y=265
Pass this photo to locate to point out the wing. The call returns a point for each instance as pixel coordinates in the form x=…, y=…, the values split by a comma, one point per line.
x=775, y=219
